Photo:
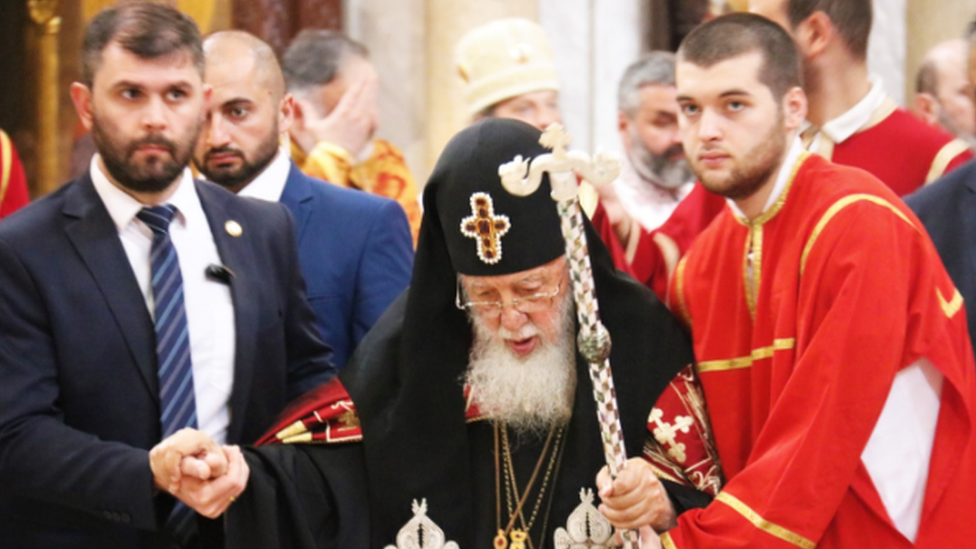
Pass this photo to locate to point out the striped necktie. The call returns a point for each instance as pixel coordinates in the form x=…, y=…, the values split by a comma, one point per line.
x=176, y=397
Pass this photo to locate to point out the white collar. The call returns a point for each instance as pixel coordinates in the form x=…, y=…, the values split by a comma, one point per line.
x=782, y=178
x=123, y=207
x=847, y=124
x=270, y=183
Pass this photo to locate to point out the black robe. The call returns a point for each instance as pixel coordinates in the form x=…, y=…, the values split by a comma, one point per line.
x=405, y=380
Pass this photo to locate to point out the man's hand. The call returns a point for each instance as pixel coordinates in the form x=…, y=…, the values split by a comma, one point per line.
x=352, y=122
x=185, y=453
x=636, y=498
x=211, y=497
x=618, y=217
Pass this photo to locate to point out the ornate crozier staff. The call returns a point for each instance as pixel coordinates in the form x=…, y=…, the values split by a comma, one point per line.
x=522, y=179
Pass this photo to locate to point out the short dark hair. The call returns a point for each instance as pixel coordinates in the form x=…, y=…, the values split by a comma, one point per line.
x=852, y=18
x=315, y=57
x=737, y=34
x=149, y=30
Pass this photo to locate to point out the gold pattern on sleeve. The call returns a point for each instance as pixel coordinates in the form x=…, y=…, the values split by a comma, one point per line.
x=763, y=524
x=667, y=542
x=941, y=161
x=784, y=344
x=835, y=208
x=950, y=308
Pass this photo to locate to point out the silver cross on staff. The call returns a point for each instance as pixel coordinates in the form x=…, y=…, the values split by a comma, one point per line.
x=521, y=179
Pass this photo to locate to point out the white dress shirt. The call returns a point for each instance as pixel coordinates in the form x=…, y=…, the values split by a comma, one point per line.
x=209, y=308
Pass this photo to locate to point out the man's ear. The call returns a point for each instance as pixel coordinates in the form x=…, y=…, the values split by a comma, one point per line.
x=286, y=113
x=623, y=127
x=814, y=34
x=794, y=108
x=926, y=107
x=82, y=98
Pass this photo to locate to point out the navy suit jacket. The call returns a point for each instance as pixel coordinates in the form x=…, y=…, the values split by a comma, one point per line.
x=356, y=255
x=79, y=404
x=947, y=208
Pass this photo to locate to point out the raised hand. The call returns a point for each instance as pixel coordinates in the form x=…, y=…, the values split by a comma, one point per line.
x=352, y=122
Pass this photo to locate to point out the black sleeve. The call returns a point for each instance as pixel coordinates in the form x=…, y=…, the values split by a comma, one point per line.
x=301, y=497
x=684, y=497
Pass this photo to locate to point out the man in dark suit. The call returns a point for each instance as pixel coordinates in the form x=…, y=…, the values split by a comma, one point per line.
x=947, y=208
x=355, y=248
x=135, y=302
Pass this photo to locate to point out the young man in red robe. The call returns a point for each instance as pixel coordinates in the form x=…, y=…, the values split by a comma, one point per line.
x=832, y=344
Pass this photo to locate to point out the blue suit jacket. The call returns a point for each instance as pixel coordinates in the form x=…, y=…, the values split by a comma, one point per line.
x=356, y=255
x=947, y=208
x=79, y=405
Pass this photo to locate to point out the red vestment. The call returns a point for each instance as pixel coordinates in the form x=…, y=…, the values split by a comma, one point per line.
x=902, y=151
x=13, y=182
x=651, y=256
x=798, y=350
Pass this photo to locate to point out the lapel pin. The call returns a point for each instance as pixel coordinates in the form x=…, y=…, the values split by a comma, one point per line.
x=233, y=228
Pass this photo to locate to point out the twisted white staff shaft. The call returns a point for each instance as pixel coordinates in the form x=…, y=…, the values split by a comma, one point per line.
x=594, y=341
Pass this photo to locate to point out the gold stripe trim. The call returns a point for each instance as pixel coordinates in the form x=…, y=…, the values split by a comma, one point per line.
x=950, y=308
x=666, y=541
x=669, y=251
x=763, y=524
x=884, y=110
x=7, y=159
x=679, y=287
x=634, y=233
x=835, y=209
x=941, y=161
x=746, y=361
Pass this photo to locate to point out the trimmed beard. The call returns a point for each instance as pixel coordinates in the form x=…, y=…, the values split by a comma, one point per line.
x=658, y=169
x=757, y=167
x=152, y=176
x=236, y=179
x=529, y=394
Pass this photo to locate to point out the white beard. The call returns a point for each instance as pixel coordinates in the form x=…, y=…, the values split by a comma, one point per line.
x=655, y=169
x=530, y=394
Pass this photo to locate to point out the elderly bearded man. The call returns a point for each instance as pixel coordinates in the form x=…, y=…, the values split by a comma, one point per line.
x=469, y=394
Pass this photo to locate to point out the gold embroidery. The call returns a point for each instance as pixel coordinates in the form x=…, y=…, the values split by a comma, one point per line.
x=763, y=524
x=746, y=361
x=950, y=308
x=941, y=161
x=666, y=541
x=835, y=209
x=486, y=228
x=751, y=282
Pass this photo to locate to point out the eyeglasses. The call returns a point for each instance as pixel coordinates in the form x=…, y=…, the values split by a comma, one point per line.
x=492, y=309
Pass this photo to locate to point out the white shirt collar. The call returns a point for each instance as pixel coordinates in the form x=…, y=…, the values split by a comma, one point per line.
x=270, y=183
x=847, y=124
x=123, y=207
x=782, y=178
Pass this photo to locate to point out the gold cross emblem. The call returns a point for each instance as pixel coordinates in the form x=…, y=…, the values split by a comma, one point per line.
x=486, y=228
